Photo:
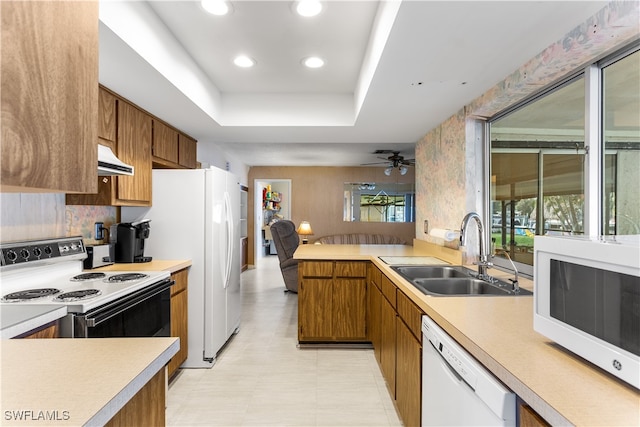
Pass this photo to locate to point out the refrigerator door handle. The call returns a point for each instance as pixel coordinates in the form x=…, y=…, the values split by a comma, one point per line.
x=229, y=238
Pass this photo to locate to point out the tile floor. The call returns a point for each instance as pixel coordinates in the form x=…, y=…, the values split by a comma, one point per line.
x=262, y=379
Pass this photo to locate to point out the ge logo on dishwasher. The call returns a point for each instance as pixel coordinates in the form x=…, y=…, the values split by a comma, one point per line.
x=617, y=364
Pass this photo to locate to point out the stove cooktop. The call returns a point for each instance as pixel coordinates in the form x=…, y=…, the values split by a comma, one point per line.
x=54, y=275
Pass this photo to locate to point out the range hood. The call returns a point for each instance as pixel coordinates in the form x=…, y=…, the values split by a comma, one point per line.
x=109, y=164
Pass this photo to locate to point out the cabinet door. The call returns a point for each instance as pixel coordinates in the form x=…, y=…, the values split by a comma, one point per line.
x=179, y=318
x=408, y=375
x=375, y=319
x=179, y=328
x=315, y=306
x=107, y=118
x=530, y=418
x=165, y=142
x=388, y=345
x=134, y=148
x=49, y=96
x=187, y=155
x=349, y=309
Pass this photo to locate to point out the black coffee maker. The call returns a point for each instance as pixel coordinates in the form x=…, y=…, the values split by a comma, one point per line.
x=129, y=245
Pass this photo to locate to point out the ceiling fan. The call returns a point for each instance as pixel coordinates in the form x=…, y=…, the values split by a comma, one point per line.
x=395, y=160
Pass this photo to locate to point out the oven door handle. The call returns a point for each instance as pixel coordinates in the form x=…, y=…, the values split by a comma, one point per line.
x=100, y=314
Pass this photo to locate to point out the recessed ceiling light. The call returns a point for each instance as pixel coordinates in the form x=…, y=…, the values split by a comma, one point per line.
x=244, y=61
x=308, y=8
x=216, y=7
x=313, y=62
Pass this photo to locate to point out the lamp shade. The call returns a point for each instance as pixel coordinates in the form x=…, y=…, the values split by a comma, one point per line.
x=304, y=229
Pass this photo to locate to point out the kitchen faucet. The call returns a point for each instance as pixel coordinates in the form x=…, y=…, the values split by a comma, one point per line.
x=516, y=285
x=483, y=262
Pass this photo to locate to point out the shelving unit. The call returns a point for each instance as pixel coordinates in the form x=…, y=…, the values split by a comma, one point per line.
x=244, y=239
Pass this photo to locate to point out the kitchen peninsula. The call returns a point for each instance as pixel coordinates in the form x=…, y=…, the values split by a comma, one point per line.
x=498, y=331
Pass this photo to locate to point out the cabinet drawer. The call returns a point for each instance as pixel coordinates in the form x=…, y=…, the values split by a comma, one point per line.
x=410, y=314
x=181, y=277
x=316, y=268
x=374, y=275
x=351, y=269
x=389, y=290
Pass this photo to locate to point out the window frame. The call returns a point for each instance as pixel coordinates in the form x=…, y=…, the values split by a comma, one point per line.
x=593, y=221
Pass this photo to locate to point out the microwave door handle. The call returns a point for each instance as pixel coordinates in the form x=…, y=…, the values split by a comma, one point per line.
x=101, y=315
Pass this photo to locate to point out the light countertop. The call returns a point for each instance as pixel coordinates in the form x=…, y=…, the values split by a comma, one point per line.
x=498, y=331
x=85, y=381
x=18, y=319
x=155, y=265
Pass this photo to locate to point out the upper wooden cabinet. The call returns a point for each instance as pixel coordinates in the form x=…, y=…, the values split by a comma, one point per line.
x=187, y=155
x=133, y=147
x=107, y=125
x=165, y=142
x=49, y=96
x=172, y=149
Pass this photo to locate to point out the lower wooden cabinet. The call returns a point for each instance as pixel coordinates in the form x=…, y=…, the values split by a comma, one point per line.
x=530, y=418
x=332, y=301
x=374, y=314
x=146, y=407
x=50, y=330
x=388, y=345
x=408, y=374
x=179, y=318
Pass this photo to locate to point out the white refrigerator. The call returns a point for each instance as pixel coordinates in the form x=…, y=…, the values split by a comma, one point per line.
x=195, y=215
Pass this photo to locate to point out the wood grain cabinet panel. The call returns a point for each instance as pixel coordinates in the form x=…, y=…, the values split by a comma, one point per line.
x=49, y=96
x=388, y=345
x=50, y=330
x=530, y=418
x=179, y=318
x=408, y=375
x=332, y=308
x=316, y=268
x=349, y=308
x=315, y=308
x=107, y=125
x=165, y=142
x=410, y=314
x=188, y=152
x=134, y=148
x=375, y=319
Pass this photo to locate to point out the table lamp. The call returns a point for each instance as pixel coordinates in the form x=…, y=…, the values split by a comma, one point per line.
x=304, y=229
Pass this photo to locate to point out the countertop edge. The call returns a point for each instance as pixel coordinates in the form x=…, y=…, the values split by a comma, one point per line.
x=53, y=314
x=120, y=400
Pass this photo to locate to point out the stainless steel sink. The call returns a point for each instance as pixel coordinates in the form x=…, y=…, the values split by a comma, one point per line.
x=412, y=272
x=463, y=286
x=454, y=281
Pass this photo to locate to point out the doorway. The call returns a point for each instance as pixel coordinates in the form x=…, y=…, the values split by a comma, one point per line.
x=272, y=202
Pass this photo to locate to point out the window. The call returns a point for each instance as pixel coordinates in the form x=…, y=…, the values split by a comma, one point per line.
x=539, y=180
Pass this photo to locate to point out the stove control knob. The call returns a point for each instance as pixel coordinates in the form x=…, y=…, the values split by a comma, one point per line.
x=37, y=252
x=48, y=250
x=11, y=255
x=24, y=253
x=64, y=249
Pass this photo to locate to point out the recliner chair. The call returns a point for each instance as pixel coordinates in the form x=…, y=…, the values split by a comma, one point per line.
x=286, y=240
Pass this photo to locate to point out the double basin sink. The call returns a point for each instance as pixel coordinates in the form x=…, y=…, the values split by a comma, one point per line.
x=454, y=281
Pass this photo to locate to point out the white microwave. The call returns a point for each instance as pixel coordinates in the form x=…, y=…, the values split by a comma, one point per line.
x=587, y=299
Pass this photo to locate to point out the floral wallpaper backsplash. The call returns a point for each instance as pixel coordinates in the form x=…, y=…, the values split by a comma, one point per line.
x=80, y=220
x=34, y=216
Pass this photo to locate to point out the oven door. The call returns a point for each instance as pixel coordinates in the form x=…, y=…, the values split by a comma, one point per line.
x=144, y=313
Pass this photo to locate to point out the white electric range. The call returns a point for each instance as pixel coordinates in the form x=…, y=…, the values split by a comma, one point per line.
x=50, y=272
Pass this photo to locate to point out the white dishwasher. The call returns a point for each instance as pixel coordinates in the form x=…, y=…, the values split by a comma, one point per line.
x=456, y=389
